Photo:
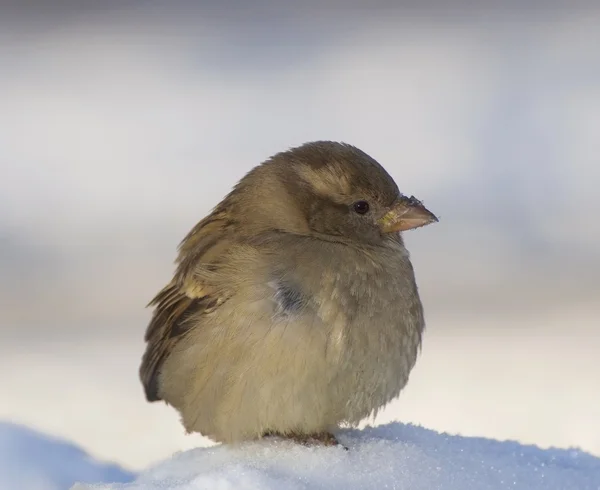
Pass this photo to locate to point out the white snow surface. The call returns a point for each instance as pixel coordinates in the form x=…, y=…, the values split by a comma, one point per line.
x=30, y=460
x=393, y=456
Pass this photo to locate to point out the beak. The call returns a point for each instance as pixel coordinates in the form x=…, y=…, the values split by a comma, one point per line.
x=408, y=213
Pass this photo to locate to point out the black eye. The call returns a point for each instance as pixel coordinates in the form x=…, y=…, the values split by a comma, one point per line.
x=361, y=207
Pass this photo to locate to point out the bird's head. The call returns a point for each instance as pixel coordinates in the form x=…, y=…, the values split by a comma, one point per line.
x=331, y=190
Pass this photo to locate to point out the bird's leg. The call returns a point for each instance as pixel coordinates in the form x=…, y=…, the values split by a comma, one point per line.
x=317, y=438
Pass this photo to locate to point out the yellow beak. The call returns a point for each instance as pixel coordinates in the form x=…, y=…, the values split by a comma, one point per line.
x=408, y=213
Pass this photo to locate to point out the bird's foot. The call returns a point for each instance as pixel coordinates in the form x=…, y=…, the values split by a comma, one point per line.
x=315, y=439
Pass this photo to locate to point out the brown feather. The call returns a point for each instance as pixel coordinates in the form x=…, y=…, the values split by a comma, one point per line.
x=169, y=322
x=189, y=295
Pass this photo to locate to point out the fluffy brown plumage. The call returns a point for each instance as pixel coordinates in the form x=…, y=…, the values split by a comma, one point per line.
x=294, y=307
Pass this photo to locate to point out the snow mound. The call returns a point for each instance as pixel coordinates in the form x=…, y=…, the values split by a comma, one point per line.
x=393, y=456
x=33, y=461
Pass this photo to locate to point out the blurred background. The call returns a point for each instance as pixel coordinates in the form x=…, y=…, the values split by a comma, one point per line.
x=123, y=123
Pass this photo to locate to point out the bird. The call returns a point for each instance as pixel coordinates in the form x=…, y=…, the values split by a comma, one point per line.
x=293, y=310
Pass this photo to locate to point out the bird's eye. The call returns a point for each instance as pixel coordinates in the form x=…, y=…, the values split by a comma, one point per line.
x=361, y=207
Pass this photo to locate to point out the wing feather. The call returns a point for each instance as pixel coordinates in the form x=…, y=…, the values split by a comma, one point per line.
x=193, y=292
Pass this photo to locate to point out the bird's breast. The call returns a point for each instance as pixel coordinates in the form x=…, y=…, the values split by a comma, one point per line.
x=365, y=300
x=371, y=310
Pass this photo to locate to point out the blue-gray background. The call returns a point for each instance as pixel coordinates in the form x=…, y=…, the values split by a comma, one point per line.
x=123, y=123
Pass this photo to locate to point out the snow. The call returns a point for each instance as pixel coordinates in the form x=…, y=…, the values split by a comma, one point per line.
x=30, y=460
x=393, y=456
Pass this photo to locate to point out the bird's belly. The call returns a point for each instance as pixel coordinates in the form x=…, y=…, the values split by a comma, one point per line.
x=306, y=373
x=372, y=343
x=373, y=367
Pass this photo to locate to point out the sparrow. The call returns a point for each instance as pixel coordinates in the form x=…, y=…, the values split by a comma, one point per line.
x=293, y=309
